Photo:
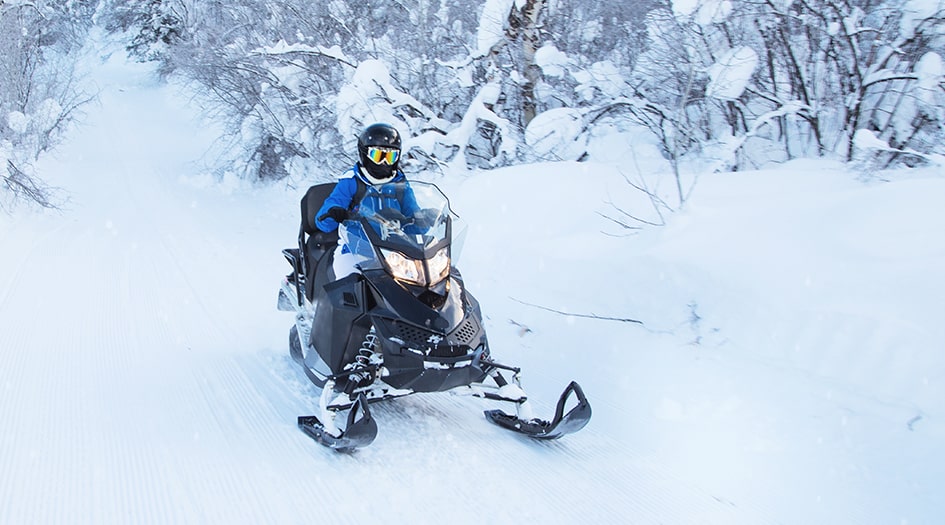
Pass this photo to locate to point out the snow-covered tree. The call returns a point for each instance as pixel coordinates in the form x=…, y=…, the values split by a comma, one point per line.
x=153, y=24
x=483, y=84
x=753, y=82
x=463, y=79
x=38, y=91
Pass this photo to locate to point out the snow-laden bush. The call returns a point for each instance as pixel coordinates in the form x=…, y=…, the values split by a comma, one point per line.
x=557, y=134
x=38, y=93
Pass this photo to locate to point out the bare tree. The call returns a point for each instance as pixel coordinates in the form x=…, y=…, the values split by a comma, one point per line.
x=23, y=187
x=39, y=95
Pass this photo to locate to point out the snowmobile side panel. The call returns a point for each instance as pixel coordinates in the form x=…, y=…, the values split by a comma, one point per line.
x=315, y=369
x=295, y=345
x=340, y=325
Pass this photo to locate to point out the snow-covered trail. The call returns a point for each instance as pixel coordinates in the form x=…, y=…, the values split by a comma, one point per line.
x=144, y=376
x=789, y=370
x=109, y=323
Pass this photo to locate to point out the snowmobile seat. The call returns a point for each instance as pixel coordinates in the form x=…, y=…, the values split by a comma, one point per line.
x=314, y=243
x=311, y=202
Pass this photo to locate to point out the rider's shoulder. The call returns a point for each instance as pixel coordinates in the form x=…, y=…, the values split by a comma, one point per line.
x=349, y=180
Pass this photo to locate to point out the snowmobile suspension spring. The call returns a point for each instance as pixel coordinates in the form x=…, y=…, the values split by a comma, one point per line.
x=368, y=347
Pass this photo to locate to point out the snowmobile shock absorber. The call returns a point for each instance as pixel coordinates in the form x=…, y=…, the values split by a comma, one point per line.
x=499, y=379
x=368, y=349
x=363, y=370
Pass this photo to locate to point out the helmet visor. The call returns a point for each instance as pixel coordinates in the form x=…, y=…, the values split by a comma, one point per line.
x=379, y=155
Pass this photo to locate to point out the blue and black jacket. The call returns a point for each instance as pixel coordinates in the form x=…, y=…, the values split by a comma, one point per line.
x=347, y=194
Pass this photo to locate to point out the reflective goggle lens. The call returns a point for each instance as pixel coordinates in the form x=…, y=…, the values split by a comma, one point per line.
x=383, y=155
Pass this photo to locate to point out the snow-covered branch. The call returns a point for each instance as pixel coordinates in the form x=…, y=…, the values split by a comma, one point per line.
x=284, y=49
x=27, y=188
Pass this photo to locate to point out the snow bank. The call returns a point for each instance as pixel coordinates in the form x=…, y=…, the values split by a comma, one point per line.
x=557, y=134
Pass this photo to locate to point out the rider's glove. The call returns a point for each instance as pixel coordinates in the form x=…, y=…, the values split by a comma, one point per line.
x=337, y=213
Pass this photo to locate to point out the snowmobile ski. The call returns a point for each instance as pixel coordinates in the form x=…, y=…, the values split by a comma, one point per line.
x=358, y=433
x=561, y=425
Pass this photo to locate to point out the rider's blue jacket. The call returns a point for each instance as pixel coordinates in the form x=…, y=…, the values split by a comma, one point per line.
x=344, y=192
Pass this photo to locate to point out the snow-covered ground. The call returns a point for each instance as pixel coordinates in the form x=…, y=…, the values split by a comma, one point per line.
x=788, y=366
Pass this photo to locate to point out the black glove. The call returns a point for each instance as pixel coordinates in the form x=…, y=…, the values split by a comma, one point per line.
x=337, y=213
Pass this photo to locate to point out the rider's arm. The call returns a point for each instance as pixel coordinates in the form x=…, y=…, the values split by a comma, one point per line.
x=341, y=197
x=409, y=207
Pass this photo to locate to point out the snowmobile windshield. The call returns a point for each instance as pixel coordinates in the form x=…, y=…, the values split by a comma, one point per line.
x=407, y=214
x=406, y=228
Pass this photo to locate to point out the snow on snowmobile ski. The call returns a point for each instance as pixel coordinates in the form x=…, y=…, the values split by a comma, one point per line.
x=402, y=323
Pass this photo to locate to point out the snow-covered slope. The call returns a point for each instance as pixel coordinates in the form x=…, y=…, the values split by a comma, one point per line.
x=788, y=368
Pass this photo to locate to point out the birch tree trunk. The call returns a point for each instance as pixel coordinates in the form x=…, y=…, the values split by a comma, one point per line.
x=524, y=27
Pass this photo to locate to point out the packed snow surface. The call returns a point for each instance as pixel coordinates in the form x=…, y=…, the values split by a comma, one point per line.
x=774, y=354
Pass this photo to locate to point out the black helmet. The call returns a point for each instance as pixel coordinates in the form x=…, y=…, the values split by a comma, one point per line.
x=379, y=149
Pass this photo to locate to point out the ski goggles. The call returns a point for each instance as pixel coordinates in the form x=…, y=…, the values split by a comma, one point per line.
x=383, y=155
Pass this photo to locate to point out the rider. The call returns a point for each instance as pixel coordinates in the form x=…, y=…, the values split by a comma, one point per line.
x=379, y=149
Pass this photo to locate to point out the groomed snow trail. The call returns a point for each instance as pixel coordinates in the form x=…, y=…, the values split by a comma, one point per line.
x=145, y=379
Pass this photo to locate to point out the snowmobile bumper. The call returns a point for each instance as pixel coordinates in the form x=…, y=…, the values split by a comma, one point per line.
x=561, y=425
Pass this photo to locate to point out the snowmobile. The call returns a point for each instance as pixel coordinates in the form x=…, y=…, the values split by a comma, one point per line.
x=403, y=323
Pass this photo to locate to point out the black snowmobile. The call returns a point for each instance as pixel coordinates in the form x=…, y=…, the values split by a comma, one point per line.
x=403, y=323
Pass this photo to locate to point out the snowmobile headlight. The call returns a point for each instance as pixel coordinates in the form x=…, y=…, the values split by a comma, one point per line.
x=403, y=268
x=439, y=266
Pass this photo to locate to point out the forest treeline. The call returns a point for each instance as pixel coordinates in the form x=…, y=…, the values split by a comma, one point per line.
x=739, y=83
